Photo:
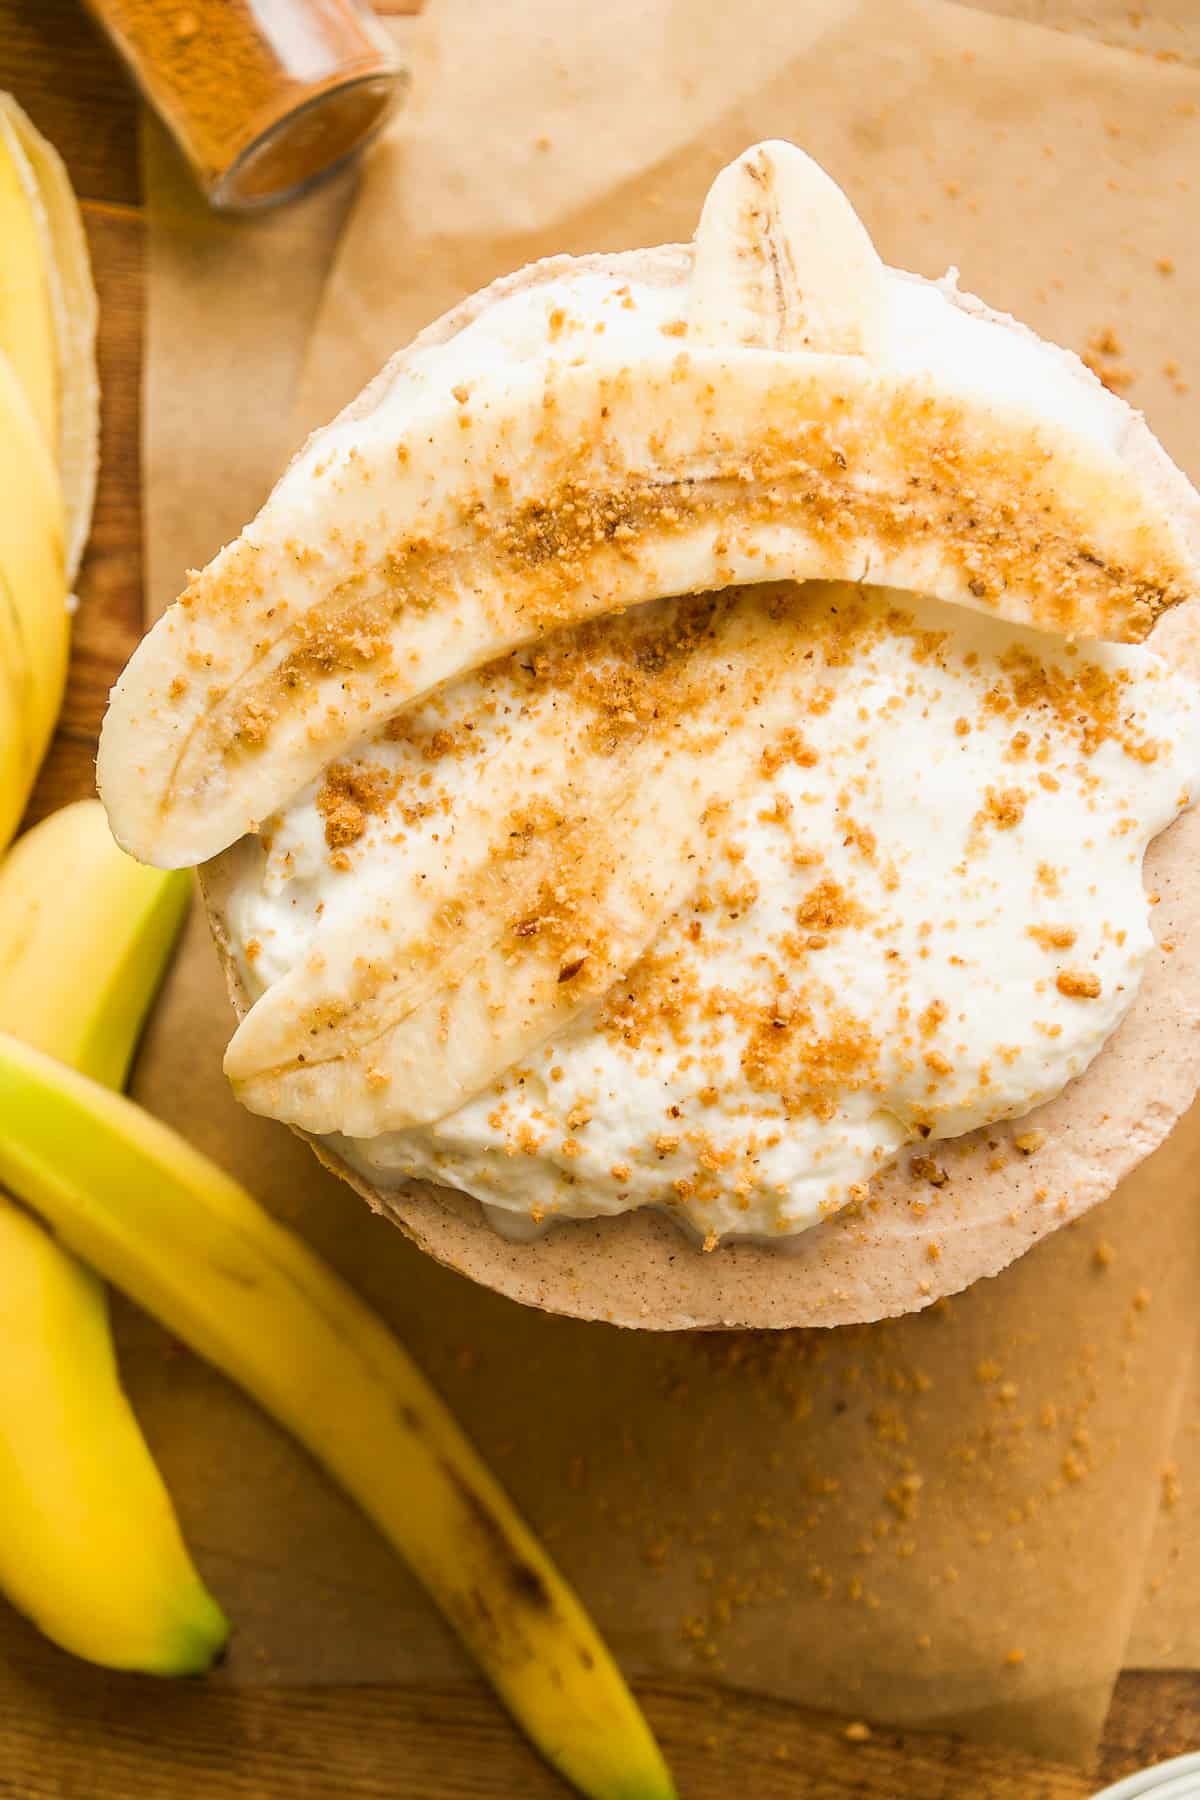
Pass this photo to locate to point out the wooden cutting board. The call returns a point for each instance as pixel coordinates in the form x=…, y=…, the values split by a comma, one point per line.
x=82, y=1734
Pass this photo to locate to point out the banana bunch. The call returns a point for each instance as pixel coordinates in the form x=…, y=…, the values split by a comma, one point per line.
x=48, y=443
x=89, y=1545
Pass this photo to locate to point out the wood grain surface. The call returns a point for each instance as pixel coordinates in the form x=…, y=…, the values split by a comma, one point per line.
x=82, y=1734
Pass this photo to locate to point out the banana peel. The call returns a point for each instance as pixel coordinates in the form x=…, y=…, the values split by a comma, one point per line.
x=90, y=1548
x=85, y=934
x=33, y=598
x=27, y=332
x=48, y=312
x=49, y=436
x=189, y=1245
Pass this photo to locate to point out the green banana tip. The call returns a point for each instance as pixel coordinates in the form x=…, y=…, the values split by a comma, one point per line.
x=658, y=1786
x=652, y=1781
x=202, y=1643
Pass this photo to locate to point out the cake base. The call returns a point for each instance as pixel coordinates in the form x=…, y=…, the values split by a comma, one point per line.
x=913, y=1239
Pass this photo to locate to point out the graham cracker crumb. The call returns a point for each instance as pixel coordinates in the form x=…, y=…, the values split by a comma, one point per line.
x=351, y=794
x=1003, y=808
x=1101, y=357
x=1078, y=984
x=1052, y=937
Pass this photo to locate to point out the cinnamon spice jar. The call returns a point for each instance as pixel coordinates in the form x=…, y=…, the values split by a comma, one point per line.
x=263, y=96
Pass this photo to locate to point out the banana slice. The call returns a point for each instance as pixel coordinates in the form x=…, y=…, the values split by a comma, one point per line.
x=546, y=893
x=441, y=522
x=783, y=261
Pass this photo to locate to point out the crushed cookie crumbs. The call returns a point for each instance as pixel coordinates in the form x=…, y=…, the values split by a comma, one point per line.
x=1052, y=937
x=351, y=794
x=1078, y=984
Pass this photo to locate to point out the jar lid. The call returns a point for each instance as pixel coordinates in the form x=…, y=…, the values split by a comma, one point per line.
x=308, y=143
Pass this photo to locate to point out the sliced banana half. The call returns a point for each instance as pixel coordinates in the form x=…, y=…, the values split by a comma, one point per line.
x=775, y=428
x=48, y=312
x=559, y=873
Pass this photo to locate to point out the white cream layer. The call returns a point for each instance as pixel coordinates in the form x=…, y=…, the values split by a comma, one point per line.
x=942, y=1010
x=932, y=921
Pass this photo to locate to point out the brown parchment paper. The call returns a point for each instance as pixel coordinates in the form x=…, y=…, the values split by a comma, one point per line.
x=1166, y=1627
x=1167, y=29
x=940, y=1520
x=217, y=424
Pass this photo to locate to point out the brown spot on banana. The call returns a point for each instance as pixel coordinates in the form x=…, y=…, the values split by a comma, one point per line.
x=514, y=1573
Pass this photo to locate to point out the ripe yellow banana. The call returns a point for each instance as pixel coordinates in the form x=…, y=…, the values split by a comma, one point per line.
x=89, y=1545
x=85, y=933
x=193, y=1248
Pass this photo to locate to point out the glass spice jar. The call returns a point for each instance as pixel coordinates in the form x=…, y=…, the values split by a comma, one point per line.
x=262, y=96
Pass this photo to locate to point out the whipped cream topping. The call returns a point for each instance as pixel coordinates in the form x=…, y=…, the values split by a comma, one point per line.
x=925, y=913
